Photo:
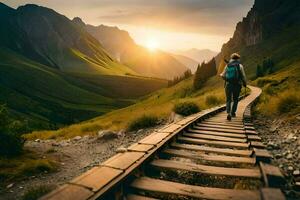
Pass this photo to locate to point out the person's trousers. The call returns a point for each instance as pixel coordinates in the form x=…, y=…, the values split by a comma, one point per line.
x=232, y=95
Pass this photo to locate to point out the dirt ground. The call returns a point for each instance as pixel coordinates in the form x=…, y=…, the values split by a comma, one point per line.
x=74, y=157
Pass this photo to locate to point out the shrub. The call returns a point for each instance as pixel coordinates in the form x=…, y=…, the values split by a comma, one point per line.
x=11, y=144
x=37, y=192
x=288, y=103
x=38, y=166
x=145, y=121
x=212, y=100
x=186, y=108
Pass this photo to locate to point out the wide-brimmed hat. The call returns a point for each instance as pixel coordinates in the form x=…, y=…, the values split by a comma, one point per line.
x=235, y=56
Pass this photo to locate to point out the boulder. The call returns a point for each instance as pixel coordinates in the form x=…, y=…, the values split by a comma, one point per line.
x=77, y=138
x=107, y=135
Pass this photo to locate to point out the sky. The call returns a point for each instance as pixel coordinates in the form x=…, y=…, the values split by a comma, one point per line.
x=165, y=24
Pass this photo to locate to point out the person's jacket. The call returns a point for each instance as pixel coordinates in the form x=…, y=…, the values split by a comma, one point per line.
x=243, y=78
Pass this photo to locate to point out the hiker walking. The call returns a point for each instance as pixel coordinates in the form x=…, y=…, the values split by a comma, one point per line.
x=234, y=76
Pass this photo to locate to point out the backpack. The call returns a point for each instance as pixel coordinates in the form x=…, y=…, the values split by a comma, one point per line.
x=233, y=74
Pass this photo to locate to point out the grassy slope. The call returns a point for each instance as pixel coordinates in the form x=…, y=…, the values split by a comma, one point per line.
x=46, y=96
x=277, y=87
x=159, y=103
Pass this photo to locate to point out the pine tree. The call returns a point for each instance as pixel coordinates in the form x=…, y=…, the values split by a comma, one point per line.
x=259, y=71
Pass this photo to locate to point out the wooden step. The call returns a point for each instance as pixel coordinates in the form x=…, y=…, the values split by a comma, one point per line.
x=138, y=197
x=215, y=138
x=205, y=169
x=219, y=130
x=235, y=152
x=214, y=143
x=219, y=126
x=224, y=121
x=254, y=138
x=214, y=158
x=191, y=191
x=234, y=135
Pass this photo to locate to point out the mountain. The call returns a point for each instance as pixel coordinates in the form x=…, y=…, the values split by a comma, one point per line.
x=122, y=47
x=49, y=38
x=186, y=61
x=198, y=55
x=271, y=29
x=53, y=73
x=268, y=39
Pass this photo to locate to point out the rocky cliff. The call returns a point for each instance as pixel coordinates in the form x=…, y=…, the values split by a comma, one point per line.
x=266, y=20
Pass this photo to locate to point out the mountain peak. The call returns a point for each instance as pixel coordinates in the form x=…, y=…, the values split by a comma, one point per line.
x=78, y=21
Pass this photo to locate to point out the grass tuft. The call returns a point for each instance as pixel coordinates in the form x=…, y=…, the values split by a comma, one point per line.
x=213, y=100
x=35, y=193
x=288, y=103
x=145, y=121
x=186, y=108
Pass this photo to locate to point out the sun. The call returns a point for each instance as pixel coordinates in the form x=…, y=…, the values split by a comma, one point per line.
x=152, y=44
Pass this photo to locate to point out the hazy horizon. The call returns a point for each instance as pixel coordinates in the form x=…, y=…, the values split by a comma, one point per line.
x=172, y=25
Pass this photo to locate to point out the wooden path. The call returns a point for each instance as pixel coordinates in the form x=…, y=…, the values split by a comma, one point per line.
x=203, y=156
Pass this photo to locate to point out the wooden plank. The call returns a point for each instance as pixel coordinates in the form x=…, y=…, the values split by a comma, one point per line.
x=257, y=144
x=123, y=160
x=138, y=197
x=140, y=147
x=154, y=138
x=234, y=135
x=262, y=155
x=272, y=194
x=254, y=138
x=214, y=143
x=68, y=192
x=94, y=178
x=249, y=128
x=170, y=129
x=204, y=169
x=251, y=132
x=214, y=138
x=219, y=130
x=272, y=175
x=168, y=187
x=219, y=126
x=234, y=152
x=231, y=123
x=214, y=158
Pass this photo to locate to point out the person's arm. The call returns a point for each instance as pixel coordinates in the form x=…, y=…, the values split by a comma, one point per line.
x=223, y=74
x=244, y=78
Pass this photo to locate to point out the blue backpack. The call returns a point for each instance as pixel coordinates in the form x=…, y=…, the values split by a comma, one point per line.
x=233, y=74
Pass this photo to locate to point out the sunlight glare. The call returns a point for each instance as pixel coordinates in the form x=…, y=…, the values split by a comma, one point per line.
x=152, y=44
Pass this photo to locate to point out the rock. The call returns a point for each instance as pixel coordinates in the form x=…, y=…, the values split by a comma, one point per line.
x=77, y=138
x=121, y=133
x=290, y=136
x=140, y=131
x=55, y=144
x=296, y=172
x=10, y=186
x=289, y=156
x=121, y=150
x=107, y=135
x=273, y=129
x=277, y=156
x=290, y=168
x=37, y=140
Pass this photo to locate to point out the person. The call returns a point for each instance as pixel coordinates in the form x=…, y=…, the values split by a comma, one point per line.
x=234, y=76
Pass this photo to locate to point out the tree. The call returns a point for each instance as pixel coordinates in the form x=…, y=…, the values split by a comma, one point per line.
x=259, y=71
x=204, y=72
x=11, y=141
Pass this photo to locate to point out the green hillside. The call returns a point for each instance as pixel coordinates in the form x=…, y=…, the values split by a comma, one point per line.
x=58, y=73
x=49, y=98
x=159, y=104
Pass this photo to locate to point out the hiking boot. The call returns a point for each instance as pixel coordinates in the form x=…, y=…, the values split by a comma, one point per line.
x=229, y=117
x=233, y=115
